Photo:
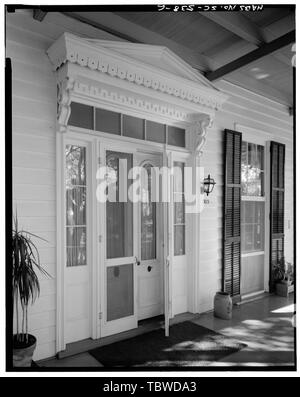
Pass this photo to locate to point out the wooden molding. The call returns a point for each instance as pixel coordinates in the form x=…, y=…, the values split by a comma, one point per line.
x=92, y=56
x=198, y=131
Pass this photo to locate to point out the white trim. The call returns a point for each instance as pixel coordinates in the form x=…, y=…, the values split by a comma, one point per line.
x=60, y=255
x=101, y=60
x=260, y=137
x=254, y=253
x=252, y=294
x=253, y=135
x=253, y=198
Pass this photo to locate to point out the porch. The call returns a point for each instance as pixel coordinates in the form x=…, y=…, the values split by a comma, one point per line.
x=265, y=325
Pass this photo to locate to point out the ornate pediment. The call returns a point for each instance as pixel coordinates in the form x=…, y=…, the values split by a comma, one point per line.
x=142, y=79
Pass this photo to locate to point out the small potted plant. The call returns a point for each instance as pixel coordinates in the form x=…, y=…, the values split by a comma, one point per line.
x=26, y=288
x=283, y=276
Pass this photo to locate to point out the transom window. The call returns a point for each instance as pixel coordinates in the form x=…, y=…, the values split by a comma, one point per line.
x=84, y=116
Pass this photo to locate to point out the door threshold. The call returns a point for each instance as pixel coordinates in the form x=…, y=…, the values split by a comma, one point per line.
x=144, y=326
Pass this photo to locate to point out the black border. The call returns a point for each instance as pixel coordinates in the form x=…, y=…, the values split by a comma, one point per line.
x=8, y=227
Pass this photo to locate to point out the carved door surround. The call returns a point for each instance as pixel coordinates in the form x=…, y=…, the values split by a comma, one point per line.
x=114, y=76
x=97, y=72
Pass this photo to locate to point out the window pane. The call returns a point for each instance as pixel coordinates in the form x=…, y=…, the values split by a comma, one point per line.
x=178, y=176
x=179, y=217
x=155, y=132
x=119, y=215
x=252, y=228
x=176, y=136
x=133, y=127
x=179, y=240
x=75, y=205
x=260, y=157
x=81, y=116
x=75, y=165
x=119, y=291
x=76, y=246
x=107, y=121
x=179, y=208
x=148, y=219
x=244, y=166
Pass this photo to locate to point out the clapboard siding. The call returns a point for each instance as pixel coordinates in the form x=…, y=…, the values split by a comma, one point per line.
x=34, y=161
x=34, y=176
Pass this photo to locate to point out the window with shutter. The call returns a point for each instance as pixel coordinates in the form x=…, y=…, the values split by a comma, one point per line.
x=276, y=206
x=232, y=214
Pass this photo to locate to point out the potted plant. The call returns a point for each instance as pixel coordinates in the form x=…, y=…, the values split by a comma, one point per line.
x=26, y=288
x=283, y=276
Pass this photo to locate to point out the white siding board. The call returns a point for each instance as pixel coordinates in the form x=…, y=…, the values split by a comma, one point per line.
x=33, y=160
x=38, y=224
x=34, y=176
x=33, y=126
x=35, y=208
x=33, y=109
x=31, y=143
x=33, y=192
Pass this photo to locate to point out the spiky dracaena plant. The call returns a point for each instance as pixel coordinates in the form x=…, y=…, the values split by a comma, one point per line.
x=26, y=286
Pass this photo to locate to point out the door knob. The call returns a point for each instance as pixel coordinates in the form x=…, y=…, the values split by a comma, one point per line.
x=149, y=268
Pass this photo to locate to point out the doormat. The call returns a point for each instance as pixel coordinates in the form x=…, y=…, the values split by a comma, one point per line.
x=189, y=345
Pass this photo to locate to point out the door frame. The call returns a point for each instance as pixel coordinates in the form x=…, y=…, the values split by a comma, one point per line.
x=97, y=140
x=107, y=327
x=261, y=137
x=150, y=158
x=89, y=142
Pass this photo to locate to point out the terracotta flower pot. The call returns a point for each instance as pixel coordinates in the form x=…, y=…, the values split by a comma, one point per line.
x=223, y=305
x=23, y=352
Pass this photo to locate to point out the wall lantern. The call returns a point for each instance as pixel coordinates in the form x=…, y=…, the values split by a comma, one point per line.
x=208, y=184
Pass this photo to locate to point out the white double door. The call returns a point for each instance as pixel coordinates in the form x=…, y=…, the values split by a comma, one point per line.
x=132, y=251
x=115, y=252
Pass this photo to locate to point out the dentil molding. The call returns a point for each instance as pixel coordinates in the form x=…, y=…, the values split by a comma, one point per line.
x=73, y=49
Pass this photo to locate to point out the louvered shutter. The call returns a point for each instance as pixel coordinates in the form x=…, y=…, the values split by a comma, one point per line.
x=276, y=206
x=232, y=214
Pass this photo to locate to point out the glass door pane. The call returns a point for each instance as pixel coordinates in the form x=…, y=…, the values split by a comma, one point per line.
x=75, y=205
x=119, y=215
x=148, y=218
x=120, y=262
x=179, y=209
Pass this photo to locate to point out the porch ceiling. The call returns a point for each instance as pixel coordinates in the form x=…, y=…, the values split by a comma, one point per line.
x=208, y=41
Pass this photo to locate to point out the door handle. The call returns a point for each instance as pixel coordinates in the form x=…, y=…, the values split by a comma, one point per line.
x=149, y=268
x=137, y=261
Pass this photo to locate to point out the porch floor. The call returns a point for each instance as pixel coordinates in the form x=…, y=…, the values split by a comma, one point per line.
x=265, y=325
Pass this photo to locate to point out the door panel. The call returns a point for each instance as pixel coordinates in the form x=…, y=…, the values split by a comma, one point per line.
x=77, y=304
x=77, y=259
x=150, y=237
x=119, y=283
